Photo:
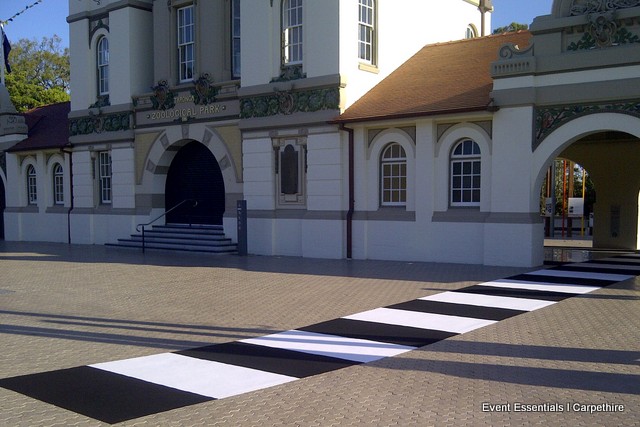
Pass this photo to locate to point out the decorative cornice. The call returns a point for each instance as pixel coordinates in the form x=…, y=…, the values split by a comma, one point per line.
x=549, y=119
x=288, y=102
x=585, y=7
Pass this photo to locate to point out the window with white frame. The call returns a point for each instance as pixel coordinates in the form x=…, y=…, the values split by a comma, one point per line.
x=235, y=39
x=292, y=32
x=366, y=31
x=32, y=185
x=465, y=174
x=104, y=176
x=58, y=184
x=103, y=66
x=393, y=176
x=186, y=44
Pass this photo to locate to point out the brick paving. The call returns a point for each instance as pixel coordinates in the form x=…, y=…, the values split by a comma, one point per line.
x=66, y=306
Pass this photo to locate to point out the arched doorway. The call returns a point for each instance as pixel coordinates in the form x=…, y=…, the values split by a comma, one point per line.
x=195, y=174
x=611, y=157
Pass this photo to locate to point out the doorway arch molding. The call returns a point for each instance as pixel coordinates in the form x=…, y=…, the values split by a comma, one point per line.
x=165, y=147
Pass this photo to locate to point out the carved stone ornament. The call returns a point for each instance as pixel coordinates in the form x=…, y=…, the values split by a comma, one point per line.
x=290, y=72
x=585, y=7
x=162, y=98
x=204, y=92
x=603, y=28
x=286, y=101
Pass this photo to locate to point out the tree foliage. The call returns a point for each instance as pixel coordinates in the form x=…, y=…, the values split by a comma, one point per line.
x=514, y=26
x=40, y=73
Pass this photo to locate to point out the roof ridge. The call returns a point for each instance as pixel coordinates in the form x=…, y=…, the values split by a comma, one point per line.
x=476, y=39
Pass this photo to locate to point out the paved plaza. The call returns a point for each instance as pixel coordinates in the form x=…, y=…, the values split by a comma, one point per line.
x=576, y=362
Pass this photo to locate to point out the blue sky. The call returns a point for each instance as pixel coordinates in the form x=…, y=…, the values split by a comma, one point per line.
x=49, y=17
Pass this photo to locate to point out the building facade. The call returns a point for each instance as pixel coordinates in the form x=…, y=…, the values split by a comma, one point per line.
x=345, y=134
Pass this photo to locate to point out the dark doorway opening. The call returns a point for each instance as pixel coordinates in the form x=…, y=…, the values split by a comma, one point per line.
x=195, y=174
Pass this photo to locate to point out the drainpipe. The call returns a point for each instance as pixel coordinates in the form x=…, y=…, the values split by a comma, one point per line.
x=70, y=153
x=351, y=191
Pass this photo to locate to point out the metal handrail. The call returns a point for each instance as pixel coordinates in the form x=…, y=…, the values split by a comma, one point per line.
x=139, y=229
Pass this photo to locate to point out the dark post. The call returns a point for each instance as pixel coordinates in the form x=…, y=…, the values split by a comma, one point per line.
x=242, y=227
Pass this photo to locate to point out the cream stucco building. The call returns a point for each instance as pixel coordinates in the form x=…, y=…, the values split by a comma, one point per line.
x=371, y=129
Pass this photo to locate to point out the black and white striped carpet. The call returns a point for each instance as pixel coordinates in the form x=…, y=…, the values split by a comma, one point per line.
x=126, y=389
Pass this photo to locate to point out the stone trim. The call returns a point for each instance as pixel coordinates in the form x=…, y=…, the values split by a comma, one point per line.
x=386, y=214
x=472, y=215
x=475, y=216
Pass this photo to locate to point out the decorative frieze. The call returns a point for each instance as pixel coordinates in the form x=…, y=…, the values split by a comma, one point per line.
x=585, y=7
x=549, y=119
x=288, y=102
x=622, y=36
x=100, y=123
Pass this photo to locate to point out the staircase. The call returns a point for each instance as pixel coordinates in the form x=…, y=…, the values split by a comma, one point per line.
x=182, y=237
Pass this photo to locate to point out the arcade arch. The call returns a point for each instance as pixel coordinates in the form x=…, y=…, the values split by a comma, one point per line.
x=608, y=146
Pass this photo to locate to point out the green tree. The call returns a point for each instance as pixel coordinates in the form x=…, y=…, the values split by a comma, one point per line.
x=40, y=73
x=514, y=26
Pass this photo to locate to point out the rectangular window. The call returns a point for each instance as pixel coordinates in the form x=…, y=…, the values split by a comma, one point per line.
x=235, y=39
x=465, y=182
x=104, y=170
x=186, y=44
x=292, y=32
x=366, y=31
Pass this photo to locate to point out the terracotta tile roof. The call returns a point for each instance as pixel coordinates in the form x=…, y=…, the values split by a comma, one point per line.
x=441, y=78
x=48, y=128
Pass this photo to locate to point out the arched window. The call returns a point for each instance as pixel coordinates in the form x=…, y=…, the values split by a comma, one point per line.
x=58, y=184
x=32, y=185
x=103, y=66
x=471, y=32
x=367, y=31
x=393, y=176
x=465, y=174
x=292, y=32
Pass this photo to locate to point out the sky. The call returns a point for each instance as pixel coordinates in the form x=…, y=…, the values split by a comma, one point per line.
x=48, y=17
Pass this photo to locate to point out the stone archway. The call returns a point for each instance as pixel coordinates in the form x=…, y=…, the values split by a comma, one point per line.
x=195, y=174
x=608, y=145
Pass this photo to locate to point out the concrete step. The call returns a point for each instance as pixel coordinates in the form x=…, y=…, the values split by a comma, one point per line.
x=181, y=237
x=126, y=243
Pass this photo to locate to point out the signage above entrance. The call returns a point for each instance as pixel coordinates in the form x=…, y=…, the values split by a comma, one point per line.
x=166, y=106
